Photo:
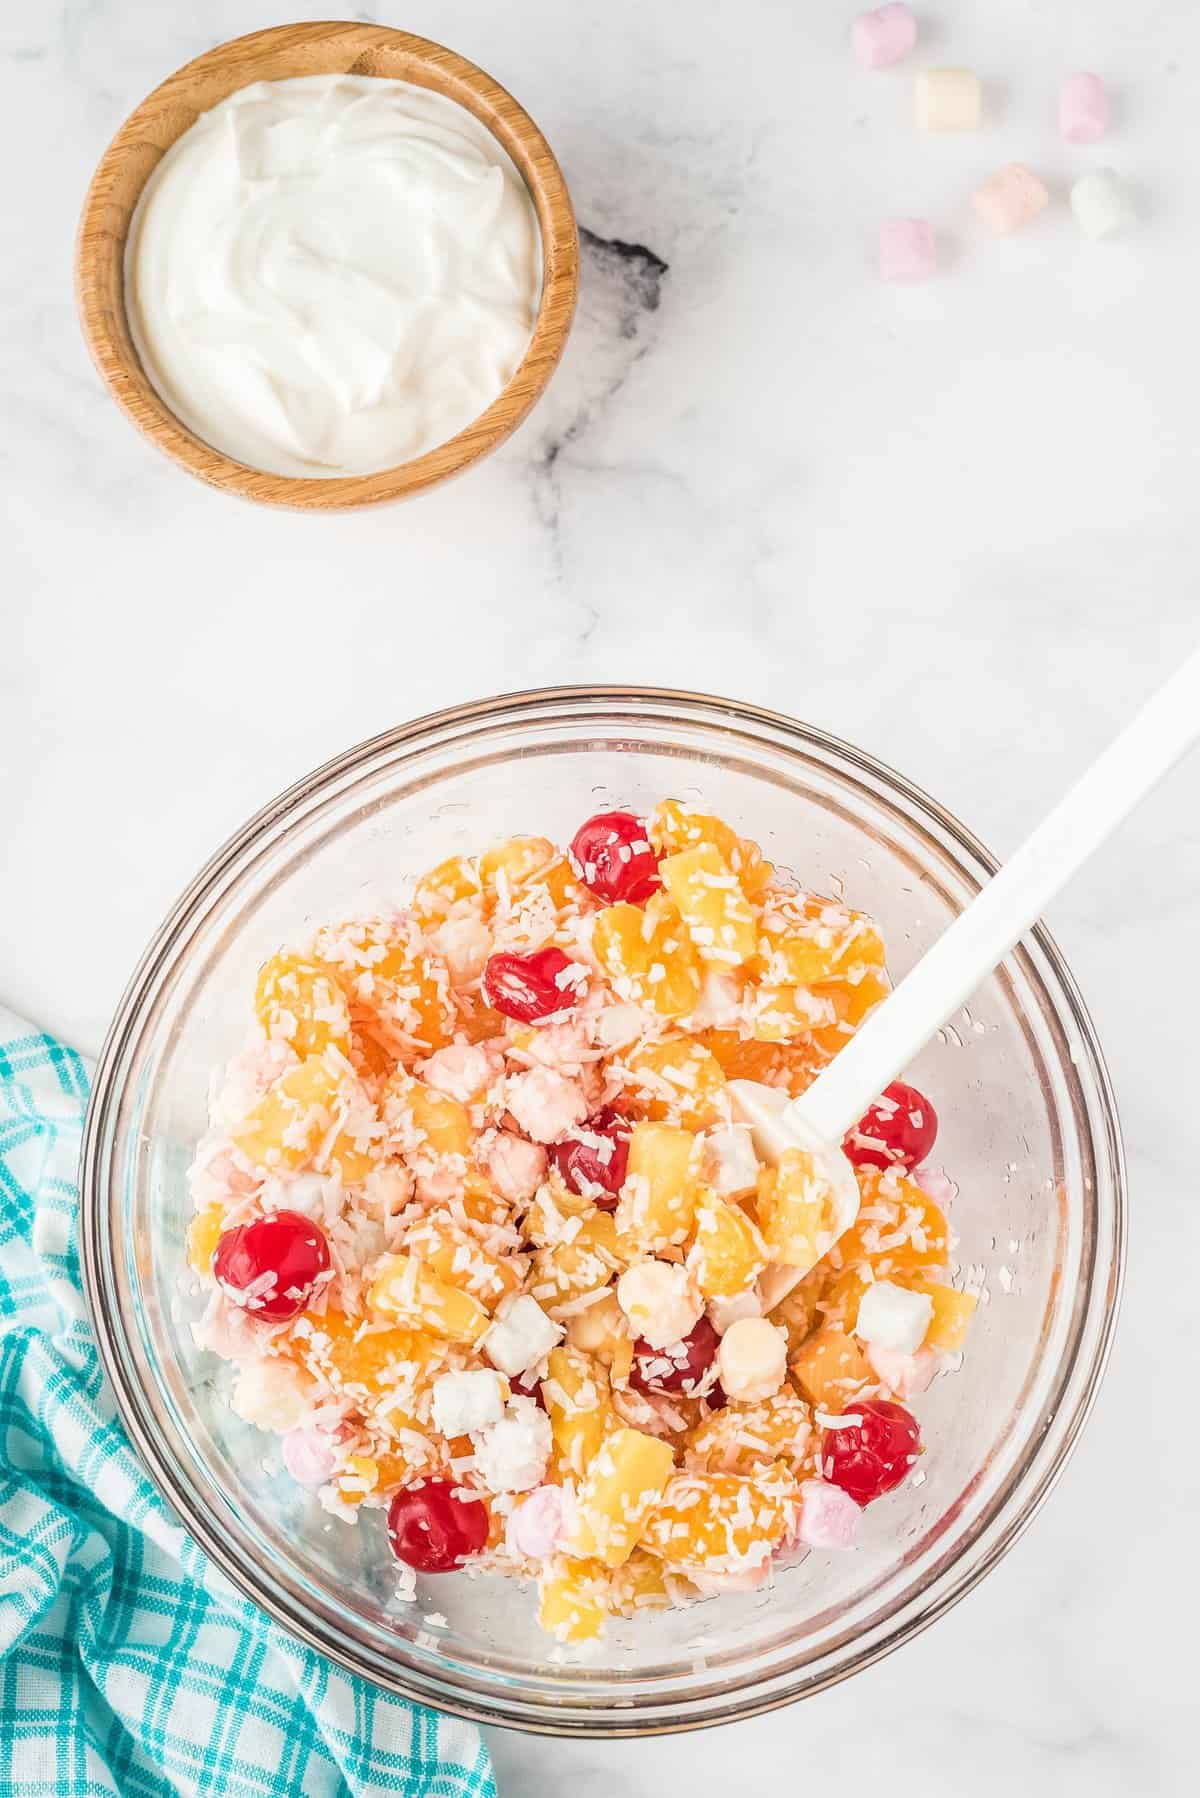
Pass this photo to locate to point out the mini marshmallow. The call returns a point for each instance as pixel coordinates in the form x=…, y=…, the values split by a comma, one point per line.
x=894, y=1318
x=884, y=36
x=1099, y=203
x=752, y=1359
x=1009, y=199
x=660, y=1302
x=1083, y=109
x=948, y=100
x=907, y=251
x=520, y=1337
x=905, y=1376
x=829, y=1517
x=463, y=1402
x=730, y=1164
x=511, y=1456
x=308, y=1456
x=724, y=1313
x=273, y=1395
x=538, y=1525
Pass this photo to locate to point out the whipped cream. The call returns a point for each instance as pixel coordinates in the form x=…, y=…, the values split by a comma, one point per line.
x=332, y=275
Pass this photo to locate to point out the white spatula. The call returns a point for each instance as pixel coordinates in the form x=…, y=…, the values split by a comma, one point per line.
x=977, y=941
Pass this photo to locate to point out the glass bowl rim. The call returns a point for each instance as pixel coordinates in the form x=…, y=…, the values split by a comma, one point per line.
x=1041, y=1463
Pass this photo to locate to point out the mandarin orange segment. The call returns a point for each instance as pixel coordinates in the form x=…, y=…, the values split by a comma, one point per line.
x=406, y=1290
x=452, y=1254
x=782, y=1013
x=830, y=1369
x=806, y=940
x=622, y=1485
x=511, y=864
x=646, y=954
x=728, y=1253
x=437, y=1123
x=674, y=826
x=447, y=885
x=392, y=975
x=712, y=1523
x=714, y=909
x=952, y=1314
x=350, y=1352
x=300, y=1002
x=793, y=1066
x=899, y=1230
x=658, y=1198
x=743, y=1438
x=681, y=1080
x=851, y=1002
x=296, y=1121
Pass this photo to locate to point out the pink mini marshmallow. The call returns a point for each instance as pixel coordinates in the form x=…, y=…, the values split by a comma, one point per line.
x=936, y=1184
x=308, y=1456
x=907, y=251
x=463, y=1071
x=884, y=36
x=1009, y=199
x=904, y=1375
x=538, y=1525
x=545, y=1104
x=1083, y=109
x=517, y=1168
x=829, y=1517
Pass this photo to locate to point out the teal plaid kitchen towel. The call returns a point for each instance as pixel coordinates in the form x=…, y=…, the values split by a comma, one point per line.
x=129, y=1667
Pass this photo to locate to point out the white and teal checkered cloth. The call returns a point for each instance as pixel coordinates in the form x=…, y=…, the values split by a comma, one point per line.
x=129, y=1667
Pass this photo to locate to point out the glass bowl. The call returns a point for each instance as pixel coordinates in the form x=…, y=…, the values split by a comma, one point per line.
x=1029, y=1133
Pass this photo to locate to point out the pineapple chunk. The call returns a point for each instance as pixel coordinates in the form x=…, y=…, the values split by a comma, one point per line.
x=782, y=1013
x=729, y=1253
x=680, y=1080
x=579, y=1402
x=203, y=1234
x=512, y=864
x=713, y=907
x=713, y=1523
x=659, y=1194
x=675, y=826
x=743, y=1438
x=409, y=1292
x=622, y=1486
x=455, y=1256
x=573, y=1599
x=952, y=1314
x=646, y=954
x=830, y=1368
x=296, y=1121
x=299, y=1002
x=425, y=1118
x=643, y=1584
x=357, y=1479
x=566, y=1271
x=796, y=1209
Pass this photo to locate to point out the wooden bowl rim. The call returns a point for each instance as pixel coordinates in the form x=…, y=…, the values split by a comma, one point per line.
x=481, y=95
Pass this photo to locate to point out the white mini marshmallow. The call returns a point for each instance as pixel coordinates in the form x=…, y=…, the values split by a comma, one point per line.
x=891, y=1317
x=520, y=1337
x=752, y=1359
x=724, y=1313
x=273, y=1395
x=463, y=1402
x=1100, y=203
x=948, y=100
x=660, y=1302
x=730, y=1164
x=511, y=1455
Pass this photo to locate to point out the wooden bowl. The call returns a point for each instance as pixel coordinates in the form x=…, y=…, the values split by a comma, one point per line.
x=275, y=55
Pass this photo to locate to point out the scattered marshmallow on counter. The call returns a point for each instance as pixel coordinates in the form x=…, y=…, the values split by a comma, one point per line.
x=511, y=1455
x=752, y=1359
x=948, y=100
x=463, y=1402
x=1100, y=203
x=829, y=1517
x=892, y=1317
x=520, y=1337
x=1083, y=109
x=660, y=1302
x=1009, y=199
x=885, y=36
x=907, y=251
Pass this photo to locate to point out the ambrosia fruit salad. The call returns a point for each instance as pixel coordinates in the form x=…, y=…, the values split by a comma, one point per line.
x=490, y=1247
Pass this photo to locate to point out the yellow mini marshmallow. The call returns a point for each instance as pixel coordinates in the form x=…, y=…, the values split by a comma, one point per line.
x=948, y=100
x=752, y=1359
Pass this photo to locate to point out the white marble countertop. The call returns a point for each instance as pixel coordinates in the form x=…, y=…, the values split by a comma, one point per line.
x=956, y=524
